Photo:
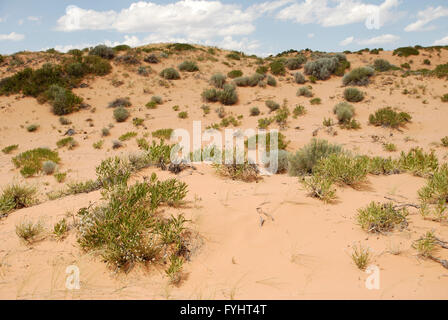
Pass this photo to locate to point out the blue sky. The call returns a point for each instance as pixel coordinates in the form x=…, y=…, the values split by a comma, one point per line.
x=260, y=27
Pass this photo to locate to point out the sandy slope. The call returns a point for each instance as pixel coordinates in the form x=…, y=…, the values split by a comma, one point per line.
x=303, y=254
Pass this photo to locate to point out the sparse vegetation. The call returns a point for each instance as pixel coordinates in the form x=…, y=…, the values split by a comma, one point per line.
x=121, y=114
x=29, y=231
x=361, y=257
x=387, y=117
x=9, y=149
x=353, y=95
x=189, y=66
x=358, y=77
x=31, y=161
x=16, y=196
x=170, y=74
x=381, y=217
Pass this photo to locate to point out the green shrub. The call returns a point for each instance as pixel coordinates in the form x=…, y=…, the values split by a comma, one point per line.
x=266, y=138
x=67, y=142
x=162, y=133
x=210, y=95
x=189, y=66
x=183, y=115
x=127, y=136
x=60, y=176
x=381, y=217
x=272, y=105
x=60, y=229
x=152, y=58
x=157, y=99
x=344, y=112
x=246, y=171
x=304, y=160
x=121, y=47
x=254, y=111
x=405, y=66
x=444, y=141
x=282, y=160
x=113, y=171
x=16, y=196
x=96, y=65
x=28, y=231
x=353, y=95
x=324, y=67
x=299, y=78
x=129, y=59
x=228, y=95
x=9, y=149
x=31, y=161
x=277, y=68
x=234, y=74
x=294, y=63
x=181, y=47
x=342, y=169
x=441, y=70
x=264, y=122
x=406, y=51
x=271, y=81
x=144, y=71
x=304, y=91
x=170, y=74
x=358, y=77
x=32, y=127
x=103, y=52
x=319, y=187
x=234, y=56
x=390, y=147
x=218, y=80
x=241, y=81
x=98, y=145
x=444, y=98
x=427, y=62
x=299, y=110
x=315, y=101
x=382, y=65
x=262, y=70
x=121, y=114
x=436, y=189
x=418, y=162
x=62, y=100
x=389, y=118
x=361, y=257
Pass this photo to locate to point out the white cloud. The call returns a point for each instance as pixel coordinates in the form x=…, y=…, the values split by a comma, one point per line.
x=425, y=17
x=310, y=35
x=12, y=36
x=385, y=38
x=441, y=42
x=35, y=19
x=343, y=13
x=346, y=41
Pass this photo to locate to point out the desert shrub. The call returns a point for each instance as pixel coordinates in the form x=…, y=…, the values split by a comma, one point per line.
x=49, y=167
x=299, y=78
x=102, y=51
x=247, y=172
x=324, y=67
x=254, y=111
x=381, y=217
x=436, y=189
x=315, y=101
x=271, y=81
x=262, y=69
x=386, y=166
x=28, y=231
x=16, y=196
x=66, y=142
x=157, y=99
x=62, y=100
x=113, y=171
x=183, y=115
x=353, y=95
x=129, y=59
x=241, y=81
x=304, y=160
x=344, y=112
x=358, y=77
x=218, y=80
x=255, y=79
x=159, y=154
x=127, y=136
x=32, y=127
x=389, y=118
x=418, y=162
x=97, y=65
x=299, y=110
x=361, y=257
x=162, y=133
x=282, y=160
x=31, y=161
x=272, y=105
x=144, y=71
x=294, y=63
x=170, y=74
x=406, y=52
x=264, y=122
x=304, y=91
x=189, y=66
x=319, y=187
x=427, y=62
x=121, y=47
x=121, y=114
x=282, y=143
x=234, y=74
x=210, y=95
x=444, y=98
x=342, y=169
x=152, y=58
x=120, y=102
x=60, y=228
x=2, y=59
x=405, y=65
x=105, y=132
x=444, y=141
x=382, y=65
x=64, y=121
x=441, y=70
x=277, y=68
x=228, y=95
x=390, y=147
x=234, y=56
x=9, y=149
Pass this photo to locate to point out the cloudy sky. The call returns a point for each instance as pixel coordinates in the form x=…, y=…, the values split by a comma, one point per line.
x=260, y=27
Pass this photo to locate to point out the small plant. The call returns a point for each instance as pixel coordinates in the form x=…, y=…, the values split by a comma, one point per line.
x=121, y=114
x=152, y=58
x=444, y=141
x=418, y=162
x=144, y=71
x=183, y=115
x=381, y=217
x=436, y=189
x=234, y=56
x=246, y=171
x=344, y=112
x=234, y=74
x=304, y=91
x=406, y=51
x=218, y=80
x=113, y=171
x=382, y=65
x=162, y=133
x=319, y=187
x=427, y=62
x=120, y=102
x=444, y=98
x=138, y=122
x=272, y=105
x=127, y=136
x=387, y=117
x=60, y=176
x=361, y=257
x=316, y=101
x=105, y=132
x=299, y=78
x=353, y=95
x=304, y=160
x=277, y=68
x=63, y=100
x=16, y=196
x=174, y=270
x=32, y=127
x=103, y=52
x=299, y=110
x=64, y=121
x=68, y=142
x=9, y=149
x=327, y=122
x=189, y=66
x=254, y=111
x=49, y=167
x=264, y=123
x=28, y=231
x=271, y=81
x=358, y=77
x=426, y=245
x=60, y=229
x=390, y=147
x=31, y=161
x=170, y=74
x=342, y=169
